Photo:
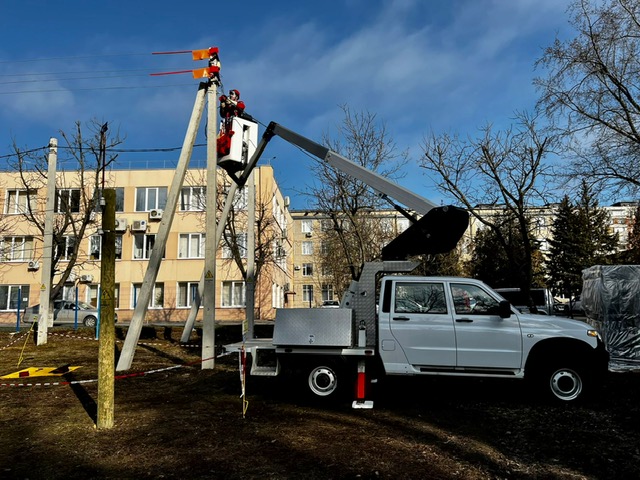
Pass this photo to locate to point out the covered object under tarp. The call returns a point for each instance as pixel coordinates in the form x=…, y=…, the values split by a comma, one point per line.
x=611, y=302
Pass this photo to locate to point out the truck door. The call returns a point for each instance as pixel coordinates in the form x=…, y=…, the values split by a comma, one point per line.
x=421, y=323
x=484, y=339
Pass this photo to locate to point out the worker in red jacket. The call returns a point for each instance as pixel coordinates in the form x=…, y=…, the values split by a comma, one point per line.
x=230, y=106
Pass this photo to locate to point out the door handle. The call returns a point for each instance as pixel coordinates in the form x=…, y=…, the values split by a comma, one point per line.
x=464, y=320
x=401, y=319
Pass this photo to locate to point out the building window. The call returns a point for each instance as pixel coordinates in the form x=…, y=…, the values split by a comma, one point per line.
x=191, y=245
x=307, y=248
x=67, y=200
x=240, y=242
x=143, y=245
x=327, y=292
x=307, y=269
x=119, y=199
x=233, y=294
x=306, y=226
x=187, y=294
x=64, y=249
x=193, y=199
x=240, y=198
x=118, y=247
x=148, y=198
x=92, y=293
x=16, y=249
x=307, y=293
x=95, y=247
x=157, y=295
x=20, y=201
x=12, y=295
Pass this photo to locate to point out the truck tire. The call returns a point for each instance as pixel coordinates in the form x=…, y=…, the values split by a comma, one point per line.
x=563, y=382
x=325, y=381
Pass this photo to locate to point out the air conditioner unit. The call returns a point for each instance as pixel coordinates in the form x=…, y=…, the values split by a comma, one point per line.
x=297, y=267
x=33, y=265
x=139, y=226
x=86, y=278
x=155, y=214
x=121, y=224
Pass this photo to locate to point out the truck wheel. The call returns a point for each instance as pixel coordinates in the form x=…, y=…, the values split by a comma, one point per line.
x=326, y=381
x=564, y=384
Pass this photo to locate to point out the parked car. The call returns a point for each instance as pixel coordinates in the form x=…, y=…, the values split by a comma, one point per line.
x=330, y=304
x=64, y=312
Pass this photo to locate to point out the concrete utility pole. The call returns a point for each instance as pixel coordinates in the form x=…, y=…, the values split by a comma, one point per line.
x=195, y=304
x=211, y=245
x=250, y=300
x=135, y=327
x=46, y=315
x=106, y=351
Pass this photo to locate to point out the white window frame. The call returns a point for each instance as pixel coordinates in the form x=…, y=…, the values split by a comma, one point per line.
x=18, y=200
x=307, y=269
x=241, y=241
x=307, y=293
x=231, y=290
x=186, y=293
x=193, y=199
x=306, y=226
x=154, y=197
x=188, y=242
x=12, y=292
x=143, y=251
x=95, y=247
x=69, y=244
x=307, y=248
x=157, y=295
x=327, y=292
x=70, y=196
x=16, y=249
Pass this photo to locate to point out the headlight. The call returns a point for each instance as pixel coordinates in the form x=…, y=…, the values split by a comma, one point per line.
x=593, y=333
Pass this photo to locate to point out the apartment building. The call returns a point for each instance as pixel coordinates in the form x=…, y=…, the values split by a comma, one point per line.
x=141, y=197
x=311, y=284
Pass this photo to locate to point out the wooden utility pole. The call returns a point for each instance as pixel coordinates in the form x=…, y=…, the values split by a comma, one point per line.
x=46, y=314
x=106, y=351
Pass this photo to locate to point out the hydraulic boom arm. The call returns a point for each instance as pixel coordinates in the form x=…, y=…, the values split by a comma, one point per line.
x=437, y=231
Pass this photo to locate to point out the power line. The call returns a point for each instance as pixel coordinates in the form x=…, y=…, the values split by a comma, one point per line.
x=51, y=90
x=4, y=62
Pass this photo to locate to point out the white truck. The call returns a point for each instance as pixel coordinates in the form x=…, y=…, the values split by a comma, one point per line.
x=392, y=323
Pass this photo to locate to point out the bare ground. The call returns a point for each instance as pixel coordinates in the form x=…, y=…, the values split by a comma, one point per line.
x=187, y=423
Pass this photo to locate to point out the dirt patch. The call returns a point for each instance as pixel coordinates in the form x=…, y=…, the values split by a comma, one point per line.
x=187, y=423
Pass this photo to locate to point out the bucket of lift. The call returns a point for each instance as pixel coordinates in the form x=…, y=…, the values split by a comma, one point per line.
x=243, y=144
x=438, y=231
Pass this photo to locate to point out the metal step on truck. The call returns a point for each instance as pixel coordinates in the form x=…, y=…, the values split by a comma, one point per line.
x=392, y=323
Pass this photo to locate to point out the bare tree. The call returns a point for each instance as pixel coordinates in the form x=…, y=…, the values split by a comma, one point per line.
x=77, y=192
x=504, y=170
x=270, y=241
x=347, y=202
x=592, y=92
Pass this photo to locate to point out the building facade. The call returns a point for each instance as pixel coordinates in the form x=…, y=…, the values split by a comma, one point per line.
x=141, y=197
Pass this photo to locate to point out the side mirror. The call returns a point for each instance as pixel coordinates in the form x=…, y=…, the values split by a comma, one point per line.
x=504, y=309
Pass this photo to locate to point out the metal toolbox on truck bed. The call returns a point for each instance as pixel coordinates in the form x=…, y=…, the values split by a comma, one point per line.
x=323, y=327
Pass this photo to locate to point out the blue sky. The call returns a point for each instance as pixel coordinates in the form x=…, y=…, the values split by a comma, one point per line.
x=419, y=65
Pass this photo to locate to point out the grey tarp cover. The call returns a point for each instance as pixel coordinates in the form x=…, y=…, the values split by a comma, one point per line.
x=611, y=302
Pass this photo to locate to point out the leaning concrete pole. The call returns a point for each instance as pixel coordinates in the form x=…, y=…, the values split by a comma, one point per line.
x=106, y=350
x=46, y=315
x=148, y=283
x=195, y=304
x=211, y=246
